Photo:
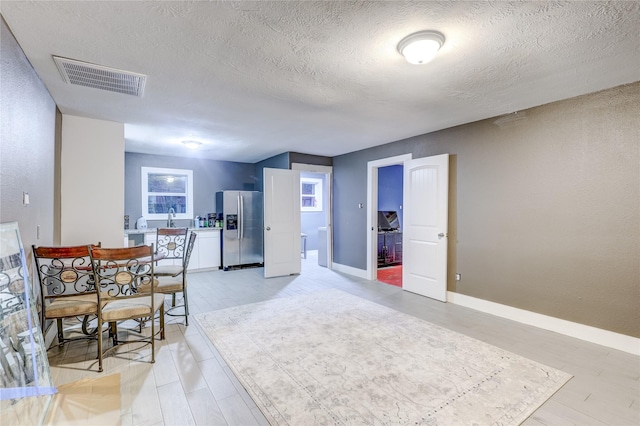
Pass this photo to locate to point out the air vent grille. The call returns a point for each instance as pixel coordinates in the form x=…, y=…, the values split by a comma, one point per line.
x=99, y=77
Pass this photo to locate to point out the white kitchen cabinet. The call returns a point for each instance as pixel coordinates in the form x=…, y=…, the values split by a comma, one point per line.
x=205, y=254
x=209, y=249
x=194, y=261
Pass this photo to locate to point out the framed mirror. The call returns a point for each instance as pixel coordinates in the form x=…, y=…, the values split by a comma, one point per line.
x=25, y=380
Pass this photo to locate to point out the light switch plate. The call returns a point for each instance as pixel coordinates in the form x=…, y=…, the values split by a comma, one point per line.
x=25, y=198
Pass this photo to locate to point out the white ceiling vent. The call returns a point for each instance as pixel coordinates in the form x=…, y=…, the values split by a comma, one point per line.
x=99, y=77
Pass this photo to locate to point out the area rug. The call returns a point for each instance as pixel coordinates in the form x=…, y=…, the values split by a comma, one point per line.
x=331, y=358
x=391, y=275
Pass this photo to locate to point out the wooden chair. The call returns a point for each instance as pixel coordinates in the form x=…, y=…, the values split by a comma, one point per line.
x=67, y=287
x=176, y=284
x=171, y=244
x=119, y=272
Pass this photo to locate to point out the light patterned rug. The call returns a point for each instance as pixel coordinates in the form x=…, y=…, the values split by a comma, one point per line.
x=330, y=358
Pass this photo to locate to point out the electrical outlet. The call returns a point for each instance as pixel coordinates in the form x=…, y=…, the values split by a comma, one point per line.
x=458, y=277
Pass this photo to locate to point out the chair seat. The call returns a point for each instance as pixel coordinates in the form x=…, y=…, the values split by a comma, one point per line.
x=83, y=304
x=166, y=285
x=131, y=308
x=167, y=270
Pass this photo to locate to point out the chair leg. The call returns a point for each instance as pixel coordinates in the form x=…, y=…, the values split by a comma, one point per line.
x=186, y=306
x=113, y=326
x=60, y=332
x=162, y=322
x=99, y=344
x=153, y=335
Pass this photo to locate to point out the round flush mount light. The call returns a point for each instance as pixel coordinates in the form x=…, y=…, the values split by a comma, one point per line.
x=421, y=47
x=192, y=144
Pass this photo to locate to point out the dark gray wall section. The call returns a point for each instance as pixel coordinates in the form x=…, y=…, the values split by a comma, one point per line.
x=27, y=145
x=297, y=157
x=209, y=176
x=390, y=189
x=280, y=161
x=544, y=214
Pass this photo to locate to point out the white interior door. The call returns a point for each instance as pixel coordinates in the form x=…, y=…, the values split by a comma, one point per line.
x=425, y=214
x=281, y=222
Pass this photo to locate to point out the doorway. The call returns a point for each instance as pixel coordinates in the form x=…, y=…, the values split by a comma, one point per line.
x=425, y=215
x=372, y=205
x=390, y=196
x=315, y=213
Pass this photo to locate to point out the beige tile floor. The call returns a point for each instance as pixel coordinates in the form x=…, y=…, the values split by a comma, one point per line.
x=190, y=384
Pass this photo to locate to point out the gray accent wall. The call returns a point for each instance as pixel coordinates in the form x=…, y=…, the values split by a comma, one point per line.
x=27, y=146
x=318, y=160
x=544, y=212
x=209, y=177
x=280, y=161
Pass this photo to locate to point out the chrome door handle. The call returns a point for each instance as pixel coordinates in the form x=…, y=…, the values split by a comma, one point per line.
x=441, y=236
x=268, y=228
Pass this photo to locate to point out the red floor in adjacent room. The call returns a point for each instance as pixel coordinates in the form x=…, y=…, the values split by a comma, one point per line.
x=391, y=275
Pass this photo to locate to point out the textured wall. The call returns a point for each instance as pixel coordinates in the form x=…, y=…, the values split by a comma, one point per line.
x=27, y=145
x=544, y=212
x=296, y=157
x=209, y=176
x=280, y=161
x=91, y=181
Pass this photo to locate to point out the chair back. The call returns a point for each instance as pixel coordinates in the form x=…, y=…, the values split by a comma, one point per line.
x=187, y=255
x=63, y=271
x=171, y=242
x=119, y=272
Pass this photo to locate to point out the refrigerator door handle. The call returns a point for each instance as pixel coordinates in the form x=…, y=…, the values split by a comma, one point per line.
x=241, y=225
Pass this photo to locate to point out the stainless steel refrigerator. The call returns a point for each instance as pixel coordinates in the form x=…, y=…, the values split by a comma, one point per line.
x=242, y=233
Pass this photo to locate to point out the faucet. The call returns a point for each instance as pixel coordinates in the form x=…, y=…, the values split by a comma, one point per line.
x=172, y=213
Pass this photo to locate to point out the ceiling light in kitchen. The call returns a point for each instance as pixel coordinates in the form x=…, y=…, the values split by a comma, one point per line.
x=421, y=47
x=192, y=144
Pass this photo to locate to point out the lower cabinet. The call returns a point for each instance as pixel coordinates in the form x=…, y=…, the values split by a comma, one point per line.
x=205, y=254
x=208, y=254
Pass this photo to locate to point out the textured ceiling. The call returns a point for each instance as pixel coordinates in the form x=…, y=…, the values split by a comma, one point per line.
x=255, y=79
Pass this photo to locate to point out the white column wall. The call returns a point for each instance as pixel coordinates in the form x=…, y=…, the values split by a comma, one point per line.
x=92, y=181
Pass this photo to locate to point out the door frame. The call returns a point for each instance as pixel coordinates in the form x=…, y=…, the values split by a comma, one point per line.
x=372, y=203
x=328, y=172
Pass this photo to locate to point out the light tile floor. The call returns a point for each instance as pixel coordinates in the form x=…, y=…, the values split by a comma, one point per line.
x=190, y=383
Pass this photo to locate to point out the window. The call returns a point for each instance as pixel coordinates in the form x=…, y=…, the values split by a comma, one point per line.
x=165, y=189
x=310, y=195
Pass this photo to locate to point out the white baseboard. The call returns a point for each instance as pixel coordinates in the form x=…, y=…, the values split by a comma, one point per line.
x=599, y=336
x=360, y=273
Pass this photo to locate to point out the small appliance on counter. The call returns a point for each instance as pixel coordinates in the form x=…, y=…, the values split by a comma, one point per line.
x=141, y=223
x=211, y=218
x=196, y=222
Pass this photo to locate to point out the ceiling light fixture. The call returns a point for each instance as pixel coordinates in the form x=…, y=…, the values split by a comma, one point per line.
x=192, y=144
x=421, y=47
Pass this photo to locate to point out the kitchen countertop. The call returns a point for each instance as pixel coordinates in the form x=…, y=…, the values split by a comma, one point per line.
x=153, y=230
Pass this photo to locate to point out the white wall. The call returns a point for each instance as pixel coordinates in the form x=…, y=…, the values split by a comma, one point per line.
x=92, y=181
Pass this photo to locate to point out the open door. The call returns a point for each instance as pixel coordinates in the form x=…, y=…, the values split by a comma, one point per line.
x=426, y=210
x=281, y=222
